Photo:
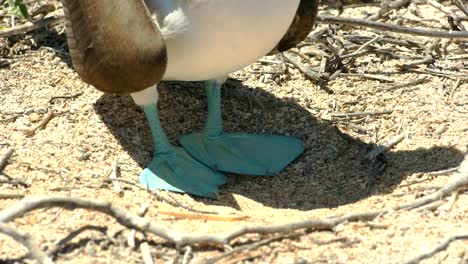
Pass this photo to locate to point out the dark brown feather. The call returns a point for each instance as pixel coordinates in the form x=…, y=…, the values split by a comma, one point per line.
x=114, y=44
x=300, y=27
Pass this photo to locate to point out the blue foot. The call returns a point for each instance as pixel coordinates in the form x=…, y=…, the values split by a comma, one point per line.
x=173, y=169
x=243, y=153
x=238, y=153
x=179, y=172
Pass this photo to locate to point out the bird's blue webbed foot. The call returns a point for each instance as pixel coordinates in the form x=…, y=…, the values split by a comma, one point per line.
x=173, y=169
x=241, y=153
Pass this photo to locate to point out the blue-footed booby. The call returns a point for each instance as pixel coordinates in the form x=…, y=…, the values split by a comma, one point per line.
x=129, y=46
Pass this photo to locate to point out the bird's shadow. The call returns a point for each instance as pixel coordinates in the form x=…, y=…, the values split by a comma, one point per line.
x=333, y=170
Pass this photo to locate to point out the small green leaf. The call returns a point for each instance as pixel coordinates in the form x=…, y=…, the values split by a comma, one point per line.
x=17, y=7
x=22, y=11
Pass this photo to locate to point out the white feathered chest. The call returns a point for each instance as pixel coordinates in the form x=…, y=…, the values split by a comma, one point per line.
x=209, y=39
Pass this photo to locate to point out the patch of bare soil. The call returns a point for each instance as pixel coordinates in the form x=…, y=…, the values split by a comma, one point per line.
x=66, y=136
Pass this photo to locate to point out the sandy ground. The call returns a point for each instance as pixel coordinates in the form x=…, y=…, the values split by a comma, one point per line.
x=73, y=154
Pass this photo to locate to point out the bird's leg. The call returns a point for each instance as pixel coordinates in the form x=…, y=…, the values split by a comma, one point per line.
x=240, y=152
x=161, y=145
x=214, y=121
x=171, y=168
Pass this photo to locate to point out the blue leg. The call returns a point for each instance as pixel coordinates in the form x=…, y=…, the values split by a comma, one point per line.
x=173, y=169
x=240, y=152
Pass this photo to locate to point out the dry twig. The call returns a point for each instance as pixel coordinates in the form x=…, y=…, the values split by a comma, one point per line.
x=58, y=245
x=361, y=114
x=11, y=195
x=42, y=124
x=249, y=247
x=443, y=172
x=381, y=149
x=52, y=99
x=146, y=252
x=26, y=241
x=361, y=48
x=187, y=255
x=404, y=85
x=461, y=6
x=131, y=235
x=445, y=243
x=369, y=76
x=456, y=183
x=393, y=28
x=311, y=75
x=205, y=217
x=29, y=26
x=114, y=176
x=387, y=6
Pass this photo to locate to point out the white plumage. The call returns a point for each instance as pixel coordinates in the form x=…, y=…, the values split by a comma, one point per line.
x=209, y=39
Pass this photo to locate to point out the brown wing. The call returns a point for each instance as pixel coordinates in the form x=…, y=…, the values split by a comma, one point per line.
x=300, y=27
x=114, y=44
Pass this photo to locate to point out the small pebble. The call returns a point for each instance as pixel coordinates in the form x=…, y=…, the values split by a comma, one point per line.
x=34, y=117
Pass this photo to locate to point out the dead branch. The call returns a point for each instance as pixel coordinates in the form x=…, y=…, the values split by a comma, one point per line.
x=26, y=241
x=445, y=243
x=392, y=28
x=131, y=220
